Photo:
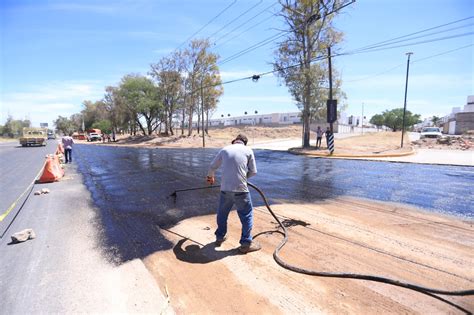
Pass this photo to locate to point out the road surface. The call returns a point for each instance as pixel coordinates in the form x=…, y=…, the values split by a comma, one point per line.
x=121, y=243
x=19, y=166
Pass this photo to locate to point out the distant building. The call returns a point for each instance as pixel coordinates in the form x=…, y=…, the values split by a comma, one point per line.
x=258, y=119
x=459, y=121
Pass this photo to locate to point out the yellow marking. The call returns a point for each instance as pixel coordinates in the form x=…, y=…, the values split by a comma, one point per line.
x=3, y=216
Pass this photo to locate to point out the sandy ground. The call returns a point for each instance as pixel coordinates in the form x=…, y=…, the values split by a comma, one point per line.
x=344, y=235
x=378, y=142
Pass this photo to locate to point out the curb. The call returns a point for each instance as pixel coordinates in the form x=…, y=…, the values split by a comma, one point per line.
x=336, y=155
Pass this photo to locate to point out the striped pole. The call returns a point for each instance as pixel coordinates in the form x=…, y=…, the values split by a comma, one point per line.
x=331, y=143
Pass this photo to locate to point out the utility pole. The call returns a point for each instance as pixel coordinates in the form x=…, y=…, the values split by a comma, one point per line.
x=330, y=82
x=362, y=119
x=405, y=103
x=202, y=122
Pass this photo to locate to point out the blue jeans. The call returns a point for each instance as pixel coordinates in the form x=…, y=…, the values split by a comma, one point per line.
x=68, y=155
x=243, y=202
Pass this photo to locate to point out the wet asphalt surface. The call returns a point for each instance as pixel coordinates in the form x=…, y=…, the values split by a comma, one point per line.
x=131, y=188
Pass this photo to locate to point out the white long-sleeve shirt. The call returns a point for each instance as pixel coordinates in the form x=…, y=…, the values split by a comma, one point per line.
x=238, y=164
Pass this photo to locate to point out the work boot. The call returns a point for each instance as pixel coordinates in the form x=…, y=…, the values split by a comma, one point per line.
x=252, y=247
x=220, y=240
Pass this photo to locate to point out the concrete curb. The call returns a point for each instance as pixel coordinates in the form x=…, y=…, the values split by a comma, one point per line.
x=336, y=155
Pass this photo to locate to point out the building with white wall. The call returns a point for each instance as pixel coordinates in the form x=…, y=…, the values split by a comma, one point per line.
x=459, y=120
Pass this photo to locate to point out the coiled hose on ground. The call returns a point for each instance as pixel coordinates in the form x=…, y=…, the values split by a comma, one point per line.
x=276, y=256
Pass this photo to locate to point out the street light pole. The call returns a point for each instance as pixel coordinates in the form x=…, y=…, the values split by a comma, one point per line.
x=405, y=103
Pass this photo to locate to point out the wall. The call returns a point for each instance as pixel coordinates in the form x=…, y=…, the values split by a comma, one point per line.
x=464, y=122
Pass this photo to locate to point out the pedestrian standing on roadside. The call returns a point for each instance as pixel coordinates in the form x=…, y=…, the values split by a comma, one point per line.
x=68, y=142
x=113, y=135
x=238, y=164
x=319, y=136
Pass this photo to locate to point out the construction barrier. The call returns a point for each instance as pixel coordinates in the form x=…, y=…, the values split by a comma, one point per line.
x=60, y=149
x=52, y=170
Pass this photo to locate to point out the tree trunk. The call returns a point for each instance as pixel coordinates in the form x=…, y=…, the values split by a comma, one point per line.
x=183, y=120
x=190, y=121
x=207, y=122
x=170, y=122
x=166, y=123
x=199, y=119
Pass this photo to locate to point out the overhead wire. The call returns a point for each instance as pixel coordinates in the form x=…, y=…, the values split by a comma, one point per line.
x=268, y=40
x=419, y=32
x=244, y=31
x=235, y=19
x=245, y=22
x=209, y=22
x=412, y=62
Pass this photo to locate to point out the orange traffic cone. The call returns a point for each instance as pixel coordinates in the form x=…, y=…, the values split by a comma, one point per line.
x=51, y=172
x=60, y=149
x=58, y=165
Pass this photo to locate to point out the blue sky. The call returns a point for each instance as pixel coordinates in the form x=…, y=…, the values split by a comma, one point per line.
x=56, y=54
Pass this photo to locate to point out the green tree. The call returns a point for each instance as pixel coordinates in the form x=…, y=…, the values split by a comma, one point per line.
x=435, y=120
x=64, y=125
x=141, y=98
x=377, y=120
x=310, y=32
x=201, y=66
x=167, y=74
x=104, y=125
x=394, y=119
x=14, y=127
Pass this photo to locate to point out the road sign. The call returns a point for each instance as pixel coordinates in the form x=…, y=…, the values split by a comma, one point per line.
x=331, y=111
x=44, y=125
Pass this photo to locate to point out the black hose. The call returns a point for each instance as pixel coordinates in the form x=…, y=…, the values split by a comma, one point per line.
x=276, y=256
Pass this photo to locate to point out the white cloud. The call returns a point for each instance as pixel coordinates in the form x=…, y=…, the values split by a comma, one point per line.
x=44, y=103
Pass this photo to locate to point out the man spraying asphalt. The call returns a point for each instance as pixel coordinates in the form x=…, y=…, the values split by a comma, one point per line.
x=238, y=164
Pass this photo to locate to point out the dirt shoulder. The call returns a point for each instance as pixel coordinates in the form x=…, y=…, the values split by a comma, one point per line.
x=343, y=235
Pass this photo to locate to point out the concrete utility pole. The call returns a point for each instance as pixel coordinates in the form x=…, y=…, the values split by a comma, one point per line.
x=202, y=122
x=405, y=103
x=330, y=82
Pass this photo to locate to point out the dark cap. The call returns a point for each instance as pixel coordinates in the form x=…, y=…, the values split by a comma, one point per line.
x=241, y=137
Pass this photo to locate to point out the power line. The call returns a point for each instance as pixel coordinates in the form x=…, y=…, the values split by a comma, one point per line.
x=269, y=39
x=235, y=19
x=442, y=53
x=245, y=22
x=258, y=76
x=205, y=25
x=418, y=32
x=264, y=42
x=416, y=37
x=246, y=30
x=414, y=61
x=410, y=44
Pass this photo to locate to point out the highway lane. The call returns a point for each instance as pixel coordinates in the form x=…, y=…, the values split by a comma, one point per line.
x=18, y=168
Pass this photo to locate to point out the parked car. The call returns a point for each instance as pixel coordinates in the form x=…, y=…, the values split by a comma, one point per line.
x=430, y=132
x=94, y=137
